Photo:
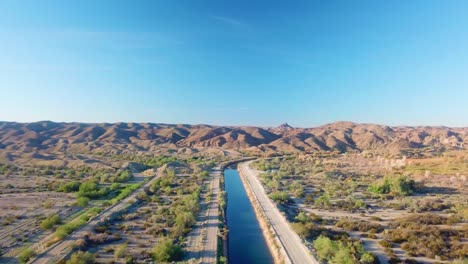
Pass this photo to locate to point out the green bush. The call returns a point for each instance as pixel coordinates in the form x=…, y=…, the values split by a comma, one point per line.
x=89, y=190
x=81, y=257
x=26, y=255
x=401, y=185
x=323, y=200
x=367, y=258
x=279, y=197
x=126, y=192
x=325, y=247
x=82, y=201
x=345, y=251
x=66, y=229
x=166, y=251
x=73, y=186
x=50, y=221
x=123, y=176
x=304, y=230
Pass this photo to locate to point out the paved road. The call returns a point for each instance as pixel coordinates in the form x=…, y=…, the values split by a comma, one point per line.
x=60, y=250
x=203, y=240
x=296, y=250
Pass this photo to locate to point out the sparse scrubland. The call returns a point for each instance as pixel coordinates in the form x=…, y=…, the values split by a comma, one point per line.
x=356, y=193
x=155, y=226
x=365, y=207
x=50, y=203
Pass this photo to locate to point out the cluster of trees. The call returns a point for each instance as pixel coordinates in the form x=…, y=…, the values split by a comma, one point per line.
x=267, y=165
x=397, y=185
x=125, y=192
x=66, y=229
x=343, y=251
x=69, y=187
x=185, y=212
x=91, y=190
x=119, y=176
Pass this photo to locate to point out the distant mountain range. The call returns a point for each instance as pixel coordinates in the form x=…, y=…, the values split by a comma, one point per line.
x=40, y=138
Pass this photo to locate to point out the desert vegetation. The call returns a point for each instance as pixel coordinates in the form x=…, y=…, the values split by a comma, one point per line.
x=368, y=207
x=156, y=225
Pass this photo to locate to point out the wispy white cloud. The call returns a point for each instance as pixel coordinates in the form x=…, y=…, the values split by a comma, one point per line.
x=230, y=21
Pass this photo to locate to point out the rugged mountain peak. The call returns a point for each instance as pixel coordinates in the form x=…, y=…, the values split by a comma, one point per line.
x=285, y=126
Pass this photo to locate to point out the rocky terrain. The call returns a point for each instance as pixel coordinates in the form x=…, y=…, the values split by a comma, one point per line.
x=51, y=143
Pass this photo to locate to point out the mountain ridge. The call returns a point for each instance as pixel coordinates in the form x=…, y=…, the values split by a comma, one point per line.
x=57, y=137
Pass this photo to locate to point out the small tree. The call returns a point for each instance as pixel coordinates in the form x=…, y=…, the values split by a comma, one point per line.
x=82, y=201
x=166, y=251
x=81, y=257
x=26, y=255
x=325, y=247
x=50, y=221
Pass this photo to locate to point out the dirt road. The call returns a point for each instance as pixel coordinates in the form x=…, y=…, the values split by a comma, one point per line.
x=61, y=249
x=203, y=240
x=296, y=250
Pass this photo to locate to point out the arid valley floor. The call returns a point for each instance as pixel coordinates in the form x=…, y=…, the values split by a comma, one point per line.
x=144, y=193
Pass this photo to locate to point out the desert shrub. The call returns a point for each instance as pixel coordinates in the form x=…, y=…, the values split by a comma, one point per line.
x=122, y=176
x=50, y=221
x=114, y=186
x=309, y=199
x=302, y=217
x=185, y=219
x=401, y=185
x=66, y=229
x=341, y=251
x=323, y=200
x=421, y=239
x=82, y=201
x=91, y=190
x=73, y=186
x=279, y=197
x=121, y=251
x=325, y=247
x=26, y=255
x=304, y=230
x=81, y=257
x=361, y=226
x=426, y=205
x=125, y=192
x=367, y=258
x=420, y=219
x=297, y=189
x=48, y=204
x=166, y=251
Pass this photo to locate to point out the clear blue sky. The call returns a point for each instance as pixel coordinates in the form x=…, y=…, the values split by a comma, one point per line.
x=238, y=62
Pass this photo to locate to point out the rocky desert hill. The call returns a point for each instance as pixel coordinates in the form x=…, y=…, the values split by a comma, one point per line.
x=47, y=140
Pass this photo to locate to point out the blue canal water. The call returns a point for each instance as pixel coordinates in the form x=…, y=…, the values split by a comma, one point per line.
x=246, y=242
